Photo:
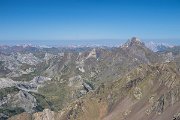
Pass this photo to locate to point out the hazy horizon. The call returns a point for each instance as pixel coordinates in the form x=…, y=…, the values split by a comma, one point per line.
x=85, y=42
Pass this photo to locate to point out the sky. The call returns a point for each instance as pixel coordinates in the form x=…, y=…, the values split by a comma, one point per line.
x=89, y=19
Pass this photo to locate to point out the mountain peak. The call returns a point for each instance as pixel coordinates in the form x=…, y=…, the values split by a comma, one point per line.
x=133, y=41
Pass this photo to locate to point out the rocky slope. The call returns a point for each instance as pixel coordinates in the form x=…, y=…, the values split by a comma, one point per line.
x=128, y=82
x=146, y=93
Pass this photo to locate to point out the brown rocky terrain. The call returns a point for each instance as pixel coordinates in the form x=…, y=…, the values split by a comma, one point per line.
x=146, y=93
x=130, y=82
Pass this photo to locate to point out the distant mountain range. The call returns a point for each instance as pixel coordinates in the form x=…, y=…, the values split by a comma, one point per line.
x=87, y=43
x=158, y=46
x=90, y=43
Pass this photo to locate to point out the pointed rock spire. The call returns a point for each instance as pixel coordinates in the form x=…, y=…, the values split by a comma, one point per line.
x=133, y=41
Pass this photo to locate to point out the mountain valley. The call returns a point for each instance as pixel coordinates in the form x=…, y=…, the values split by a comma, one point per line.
x=130, y=82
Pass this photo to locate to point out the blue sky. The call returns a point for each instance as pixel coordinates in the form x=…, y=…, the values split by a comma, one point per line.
x=89, y=19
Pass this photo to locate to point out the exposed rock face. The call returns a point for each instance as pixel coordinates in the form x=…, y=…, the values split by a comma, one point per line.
x=48, y=56
x=22, y=116
x=176, y=117
x=87, y=87
x=28, y=59
x=16, y=101
x=40, y=79
x=148, y=97
x=45, y=115
x=154, y=107
x=15, y=96
x=24, y=100
x=168, y=57
x=10, y=61
x=6, y=82
x=27, y=86
x=137, y=93
x=92, y=54
x=133, y=41
x=129, y=82
x=33, y=84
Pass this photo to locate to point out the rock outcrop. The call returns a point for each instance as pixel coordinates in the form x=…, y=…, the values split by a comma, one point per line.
x=129, y=82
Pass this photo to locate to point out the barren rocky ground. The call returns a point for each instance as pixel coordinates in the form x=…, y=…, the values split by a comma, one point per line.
x=130, y=82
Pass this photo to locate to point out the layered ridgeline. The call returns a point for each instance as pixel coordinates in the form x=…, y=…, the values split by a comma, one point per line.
x=128, y=82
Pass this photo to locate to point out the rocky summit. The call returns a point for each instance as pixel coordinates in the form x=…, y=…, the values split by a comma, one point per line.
x=130, y=82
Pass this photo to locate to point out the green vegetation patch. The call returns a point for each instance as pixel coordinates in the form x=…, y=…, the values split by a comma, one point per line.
x=9, y=90
x=1, y=63
x=8, y=112
x=25, y=77
x=56, y=93
x=42, y=102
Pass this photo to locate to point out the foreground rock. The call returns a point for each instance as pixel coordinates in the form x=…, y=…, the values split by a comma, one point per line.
x=146, y=93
